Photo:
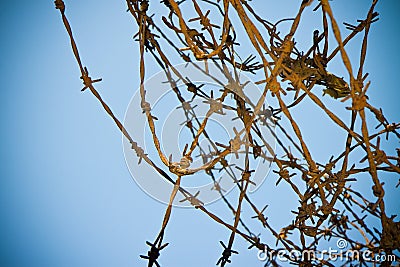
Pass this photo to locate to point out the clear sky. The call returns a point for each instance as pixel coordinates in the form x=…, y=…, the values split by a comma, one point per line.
x=66, y=195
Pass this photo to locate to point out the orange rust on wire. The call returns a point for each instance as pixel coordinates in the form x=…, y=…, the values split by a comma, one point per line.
x=322, y=187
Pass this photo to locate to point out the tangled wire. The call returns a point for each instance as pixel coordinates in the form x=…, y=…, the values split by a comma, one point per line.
x=328, y=205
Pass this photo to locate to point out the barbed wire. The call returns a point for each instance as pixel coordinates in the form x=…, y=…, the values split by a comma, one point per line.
x=328, y=205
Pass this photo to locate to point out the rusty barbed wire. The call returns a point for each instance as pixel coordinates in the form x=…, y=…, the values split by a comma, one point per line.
x=328, y=205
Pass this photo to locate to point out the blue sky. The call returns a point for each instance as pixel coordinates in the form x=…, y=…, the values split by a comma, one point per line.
x=66, y=195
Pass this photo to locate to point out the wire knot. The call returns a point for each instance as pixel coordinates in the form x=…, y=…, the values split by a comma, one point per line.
x=87, y=80
x=274, y=86
x=60, y=5
x=359, y=102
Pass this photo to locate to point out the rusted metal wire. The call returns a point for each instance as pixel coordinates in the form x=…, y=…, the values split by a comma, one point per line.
x=328, y=206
